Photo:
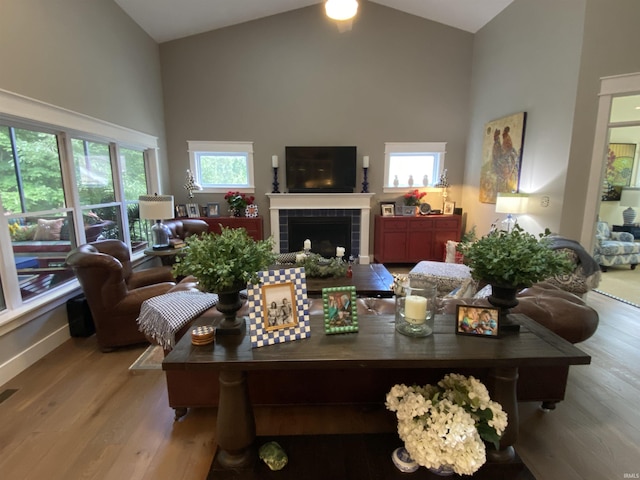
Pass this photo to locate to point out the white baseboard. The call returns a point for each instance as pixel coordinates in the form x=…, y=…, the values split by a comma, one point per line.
x=31, y=355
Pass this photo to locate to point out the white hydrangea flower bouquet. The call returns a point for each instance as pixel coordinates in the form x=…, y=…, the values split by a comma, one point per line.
x=447, y=424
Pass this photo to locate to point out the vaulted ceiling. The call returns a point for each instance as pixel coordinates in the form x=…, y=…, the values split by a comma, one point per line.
x=166, y=20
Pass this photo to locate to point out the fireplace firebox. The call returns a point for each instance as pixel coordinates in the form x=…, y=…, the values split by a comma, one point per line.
x=325, y=233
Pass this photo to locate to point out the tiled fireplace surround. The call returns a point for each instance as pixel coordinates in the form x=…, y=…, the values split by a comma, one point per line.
x=282, y=206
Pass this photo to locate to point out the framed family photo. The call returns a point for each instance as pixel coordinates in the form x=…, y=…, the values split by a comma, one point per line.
x=278, y=307
x=477, y=321
x=387, y=209
x=193, y=210
x=181, y=210
x=340, y=310
x=213, y=209
x=449, y=208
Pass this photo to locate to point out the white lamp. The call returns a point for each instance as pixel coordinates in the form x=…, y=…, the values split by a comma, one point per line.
x=157, y=207
x=630, y=198
x=341, y=9
x=511, y=203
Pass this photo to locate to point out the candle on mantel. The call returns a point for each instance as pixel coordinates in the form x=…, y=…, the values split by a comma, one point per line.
x=274, y=161
x=339, y=252
x=415, y=309
x=365, y=161
x=307, y=244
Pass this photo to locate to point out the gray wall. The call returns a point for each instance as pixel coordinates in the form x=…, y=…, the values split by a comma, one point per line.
x=611, y=46
x=293, y=79
x=527, y=59
x=88, y=57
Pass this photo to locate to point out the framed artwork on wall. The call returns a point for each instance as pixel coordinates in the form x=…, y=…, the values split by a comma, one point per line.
x=501, y=156
x=618, y=169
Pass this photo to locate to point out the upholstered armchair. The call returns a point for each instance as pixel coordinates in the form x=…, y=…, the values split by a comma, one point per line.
x=114, y=291
x=185, y=227
x=615, y=248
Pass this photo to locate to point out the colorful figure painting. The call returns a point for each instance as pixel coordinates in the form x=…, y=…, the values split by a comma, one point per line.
x=501, y=156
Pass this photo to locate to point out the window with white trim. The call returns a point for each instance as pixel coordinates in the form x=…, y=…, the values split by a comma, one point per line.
x=222, y=166
x=412, y=164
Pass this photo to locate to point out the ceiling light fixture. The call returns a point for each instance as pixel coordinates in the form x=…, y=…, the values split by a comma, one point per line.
x=341, y=9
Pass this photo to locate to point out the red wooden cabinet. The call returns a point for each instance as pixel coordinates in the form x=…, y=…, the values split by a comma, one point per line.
x=253, y=226
x=412, y=239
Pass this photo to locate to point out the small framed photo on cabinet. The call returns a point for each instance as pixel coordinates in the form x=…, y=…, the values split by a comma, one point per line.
x=387, y=209
x=449, y=207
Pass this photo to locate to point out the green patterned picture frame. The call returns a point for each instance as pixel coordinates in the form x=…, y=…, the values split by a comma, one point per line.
x=340, y=310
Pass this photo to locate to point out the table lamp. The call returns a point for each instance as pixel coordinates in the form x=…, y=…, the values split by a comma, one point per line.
x=157, y=207
x=630, y=197
x=511, y=203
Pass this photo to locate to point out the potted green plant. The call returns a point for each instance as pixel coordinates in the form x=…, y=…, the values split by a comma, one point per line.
x=224, y=263
x=511, y=261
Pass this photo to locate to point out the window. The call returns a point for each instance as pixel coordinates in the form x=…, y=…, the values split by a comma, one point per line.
x=58, y=189
x=410, y=165
x=221, y=166
x=134, y=178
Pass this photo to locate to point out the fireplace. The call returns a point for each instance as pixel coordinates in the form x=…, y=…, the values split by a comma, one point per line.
x=356, y=207
x=325, y=233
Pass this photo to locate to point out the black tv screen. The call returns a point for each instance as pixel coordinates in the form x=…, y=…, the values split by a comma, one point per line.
x=321, y=169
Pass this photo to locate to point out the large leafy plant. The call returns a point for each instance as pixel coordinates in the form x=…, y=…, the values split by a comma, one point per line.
x=224, y=261
x=514, y=259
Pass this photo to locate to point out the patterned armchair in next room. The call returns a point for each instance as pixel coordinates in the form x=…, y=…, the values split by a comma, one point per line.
x=615, y=248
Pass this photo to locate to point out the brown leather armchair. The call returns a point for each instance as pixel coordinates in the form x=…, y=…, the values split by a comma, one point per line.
x=114, y=291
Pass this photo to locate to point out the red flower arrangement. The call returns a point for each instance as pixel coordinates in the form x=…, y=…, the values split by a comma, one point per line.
x=413, y=198
x=238, y=201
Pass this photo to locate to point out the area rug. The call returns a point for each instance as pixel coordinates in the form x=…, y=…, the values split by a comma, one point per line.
x=150, y=360
x=621, y=283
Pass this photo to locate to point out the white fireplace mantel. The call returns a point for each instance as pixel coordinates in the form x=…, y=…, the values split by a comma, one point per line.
x=338, y=201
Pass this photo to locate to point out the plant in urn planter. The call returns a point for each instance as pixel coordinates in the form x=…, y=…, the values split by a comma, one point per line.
x=224, y=263
x=511, y=261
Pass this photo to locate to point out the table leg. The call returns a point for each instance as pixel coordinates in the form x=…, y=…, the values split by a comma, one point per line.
x=236, y=427
x=502, y=385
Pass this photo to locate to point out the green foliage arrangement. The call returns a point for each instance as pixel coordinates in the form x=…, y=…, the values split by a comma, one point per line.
x=316, y=266
x=513, y=259
x=225, y=261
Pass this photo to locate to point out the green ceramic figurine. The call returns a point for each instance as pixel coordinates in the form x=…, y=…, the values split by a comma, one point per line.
x=273, y=455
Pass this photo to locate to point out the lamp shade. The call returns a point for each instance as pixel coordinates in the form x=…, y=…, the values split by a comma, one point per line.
x=156, y=207
x=341, y=9
x=512, y=202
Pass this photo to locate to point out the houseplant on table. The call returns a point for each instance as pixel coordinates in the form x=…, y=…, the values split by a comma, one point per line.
x=238, y=202
x=511, y=261
x=224, y=263
x=444, y=426
x=412, y=201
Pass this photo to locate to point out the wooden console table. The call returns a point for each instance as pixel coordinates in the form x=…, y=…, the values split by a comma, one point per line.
x=375, y=346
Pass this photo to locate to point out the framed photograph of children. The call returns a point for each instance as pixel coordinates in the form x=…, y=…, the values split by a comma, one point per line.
x=278, y=307
x=193, y=210
x=387, y=209
x=449, y=207
x=477, y=321
x=340, y=310
x=213, y=209
x=181, y=210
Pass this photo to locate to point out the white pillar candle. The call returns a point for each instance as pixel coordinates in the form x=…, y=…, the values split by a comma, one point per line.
x=415, y=309
x=365, y=161
x=300, y=257
x=339, y=251
x=274, y=161
x=307, y=244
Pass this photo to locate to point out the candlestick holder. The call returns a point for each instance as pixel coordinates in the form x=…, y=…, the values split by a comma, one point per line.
x=275, y=180
x=365, y=184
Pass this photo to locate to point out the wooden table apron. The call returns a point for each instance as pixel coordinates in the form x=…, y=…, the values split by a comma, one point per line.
x=376, y=346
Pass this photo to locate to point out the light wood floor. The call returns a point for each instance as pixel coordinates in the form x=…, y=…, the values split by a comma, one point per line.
x=79, y=413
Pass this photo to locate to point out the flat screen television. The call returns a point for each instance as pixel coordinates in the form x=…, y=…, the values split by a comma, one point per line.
x=320, y=169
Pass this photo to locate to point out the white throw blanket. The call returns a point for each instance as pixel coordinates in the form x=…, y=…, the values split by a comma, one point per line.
x=162, y=316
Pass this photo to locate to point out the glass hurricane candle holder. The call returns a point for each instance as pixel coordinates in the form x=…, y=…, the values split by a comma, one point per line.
x=415, y=311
